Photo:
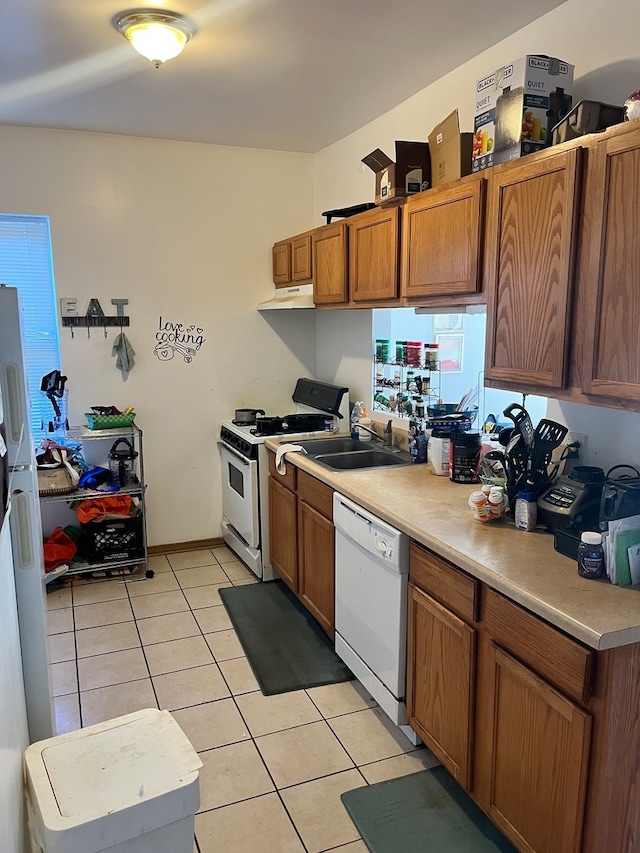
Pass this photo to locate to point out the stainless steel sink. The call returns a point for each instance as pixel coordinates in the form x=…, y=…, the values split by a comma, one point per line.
x=315, y=446
x=349, y=461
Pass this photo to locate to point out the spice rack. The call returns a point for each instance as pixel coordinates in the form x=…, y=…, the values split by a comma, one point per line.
x=407, y=378
x=130, y=533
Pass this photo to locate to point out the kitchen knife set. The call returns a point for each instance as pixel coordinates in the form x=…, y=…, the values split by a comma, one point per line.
x=527, y=451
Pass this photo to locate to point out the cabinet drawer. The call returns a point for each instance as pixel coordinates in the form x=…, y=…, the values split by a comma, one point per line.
x=316, y=494
x=552, y=654
x=288, y=479
x=455, y=589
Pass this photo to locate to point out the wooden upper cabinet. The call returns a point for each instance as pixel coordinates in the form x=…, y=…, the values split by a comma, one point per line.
x=292, y=260
x=374, y=240
x=610, y=272
x=282, y=263
x=442, y=232
x=301, y=258
x=540, y=751
x=528, y=272
x=330, y=282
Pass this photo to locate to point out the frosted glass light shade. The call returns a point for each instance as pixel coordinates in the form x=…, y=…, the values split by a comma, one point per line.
x=158, y=35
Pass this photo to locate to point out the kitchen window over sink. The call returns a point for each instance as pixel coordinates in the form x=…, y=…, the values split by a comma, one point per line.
x=451, y=363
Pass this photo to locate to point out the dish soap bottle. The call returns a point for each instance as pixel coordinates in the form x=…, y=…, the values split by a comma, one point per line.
x=356, y=414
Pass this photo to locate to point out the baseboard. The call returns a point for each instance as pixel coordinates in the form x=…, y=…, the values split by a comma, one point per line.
x=172, y=547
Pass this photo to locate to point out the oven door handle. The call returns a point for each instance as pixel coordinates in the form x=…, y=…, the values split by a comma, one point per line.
x=235, y=453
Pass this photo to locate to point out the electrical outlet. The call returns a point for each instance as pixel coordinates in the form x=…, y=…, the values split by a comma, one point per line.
x=581, y=452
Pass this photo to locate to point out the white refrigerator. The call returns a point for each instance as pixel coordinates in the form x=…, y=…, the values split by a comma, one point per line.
x=19, y=491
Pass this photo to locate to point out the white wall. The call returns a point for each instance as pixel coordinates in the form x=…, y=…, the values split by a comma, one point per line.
x=601, y=40
x=13, y=715
x=182, y=231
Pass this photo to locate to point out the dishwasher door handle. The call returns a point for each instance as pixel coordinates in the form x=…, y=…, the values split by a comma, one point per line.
x=354, y=512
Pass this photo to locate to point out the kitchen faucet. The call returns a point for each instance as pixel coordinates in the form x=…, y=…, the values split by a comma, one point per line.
x=386, y=438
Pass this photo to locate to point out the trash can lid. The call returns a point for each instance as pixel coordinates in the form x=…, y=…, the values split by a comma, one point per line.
x=129, y=765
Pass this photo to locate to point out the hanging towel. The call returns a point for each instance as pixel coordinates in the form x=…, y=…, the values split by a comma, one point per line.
x=281, y=468
x=123, y=352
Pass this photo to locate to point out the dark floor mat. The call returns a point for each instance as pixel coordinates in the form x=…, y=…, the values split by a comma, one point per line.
x=286, y=647
x=426, y=812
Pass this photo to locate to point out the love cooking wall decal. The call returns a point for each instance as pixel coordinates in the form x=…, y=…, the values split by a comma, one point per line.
x=172, y=338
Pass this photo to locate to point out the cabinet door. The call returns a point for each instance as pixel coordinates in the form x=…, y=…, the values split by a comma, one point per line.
x=374, y=255
x=441, y=240
x=282, y=263
x=441, y=679
x=612, y=272
x=316, y=576
x=282, y=533
x=301, y=258
x=540, y=749
x=528, y=274
x=330, y=265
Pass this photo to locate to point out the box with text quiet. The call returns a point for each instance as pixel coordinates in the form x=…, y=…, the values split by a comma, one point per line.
x=517, y=106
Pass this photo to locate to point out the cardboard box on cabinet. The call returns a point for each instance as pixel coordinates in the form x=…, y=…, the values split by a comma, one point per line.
x=450, y=151
x=516, y=107
x=409, y=174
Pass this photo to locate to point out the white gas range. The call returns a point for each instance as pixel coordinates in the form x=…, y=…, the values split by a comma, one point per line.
x=320, y=408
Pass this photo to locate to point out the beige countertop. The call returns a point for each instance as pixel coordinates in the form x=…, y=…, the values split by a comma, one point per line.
x=523, y=566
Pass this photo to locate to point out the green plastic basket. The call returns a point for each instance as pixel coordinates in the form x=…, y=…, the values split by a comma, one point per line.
x=109, y=421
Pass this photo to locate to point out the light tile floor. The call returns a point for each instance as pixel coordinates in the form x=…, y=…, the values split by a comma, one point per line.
x=274, y=766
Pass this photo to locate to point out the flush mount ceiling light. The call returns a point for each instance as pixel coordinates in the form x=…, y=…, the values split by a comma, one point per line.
x=155, y=33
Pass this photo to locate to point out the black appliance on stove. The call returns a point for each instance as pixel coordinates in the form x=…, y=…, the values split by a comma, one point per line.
x=288, y=424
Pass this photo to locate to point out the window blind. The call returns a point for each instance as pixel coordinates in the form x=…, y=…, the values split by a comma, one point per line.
x=26, y=263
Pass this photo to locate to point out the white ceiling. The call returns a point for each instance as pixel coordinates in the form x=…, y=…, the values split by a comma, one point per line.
x=294, y=75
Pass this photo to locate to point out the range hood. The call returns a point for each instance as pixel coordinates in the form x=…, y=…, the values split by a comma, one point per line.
x=296, y=296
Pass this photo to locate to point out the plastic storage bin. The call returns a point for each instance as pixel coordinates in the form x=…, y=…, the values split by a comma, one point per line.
x=114, y=539
x=129, y=785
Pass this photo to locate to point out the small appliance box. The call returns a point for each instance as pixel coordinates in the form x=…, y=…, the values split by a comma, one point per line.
x=450, y=151
x=517, y=106
x=410, y=174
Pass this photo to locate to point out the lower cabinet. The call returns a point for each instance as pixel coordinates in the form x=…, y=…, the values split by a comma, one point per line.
x=497, y=694
x=283, y=523
x=441, y=649
x=539, y=745
x=301, y=539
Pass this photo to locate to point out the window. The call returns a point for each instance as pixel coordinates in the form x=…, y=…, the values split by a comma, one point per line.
x=460, y=355
x=26, y=263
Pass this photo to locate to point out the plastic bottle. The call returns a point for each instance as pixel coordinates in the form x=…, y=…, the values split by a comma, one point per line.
x=590, y=555
x=463, y=459
x=438, y=452
x=526, y=511
x=364, y=420
x=356, y=414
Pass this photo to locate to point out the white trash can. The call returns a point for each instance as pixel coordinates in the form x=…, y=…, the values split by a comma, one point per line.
x=129, y=785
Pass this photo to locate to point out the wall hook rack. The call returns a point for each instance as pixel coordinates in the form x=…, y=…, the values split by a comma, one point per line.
x=94, y=316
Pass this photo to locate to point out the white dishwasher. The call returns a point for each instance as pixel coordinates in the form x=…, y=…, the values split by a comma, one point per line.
x=372, y=573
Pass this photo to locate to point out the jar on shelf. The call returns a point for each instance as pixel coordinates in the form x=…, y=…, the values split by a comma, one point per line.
x=414, y=351
x=401, y=352
x=383, y=348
